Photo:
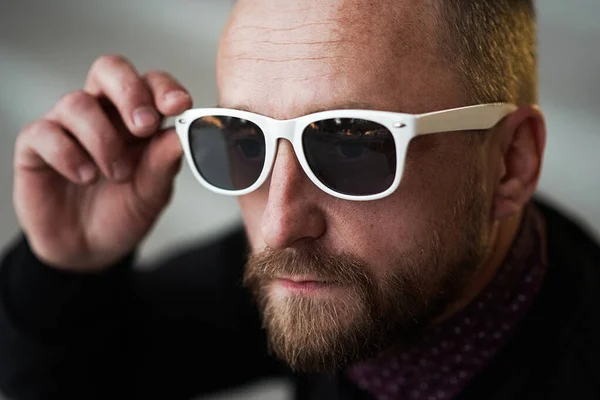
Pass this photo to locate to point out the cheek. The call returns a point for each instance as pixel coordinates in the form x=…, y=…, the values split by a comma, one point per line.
x=378, y=232
x=405, y=223
x=252, y=207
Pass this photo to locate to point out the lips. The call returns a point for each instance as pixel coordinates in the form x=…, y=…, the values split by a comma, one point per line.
x=297, y=284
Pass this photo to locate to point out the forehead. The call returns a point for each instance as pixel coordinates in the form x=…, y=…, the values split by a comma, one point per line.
x=286, y=59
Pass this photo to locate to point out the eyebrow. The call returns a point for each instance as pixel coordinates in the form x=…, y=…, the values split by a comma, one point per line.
x=336, y=106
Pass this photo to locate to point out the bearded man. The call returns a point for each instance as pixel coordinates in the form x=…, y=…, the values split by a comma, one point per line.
x=385, y=156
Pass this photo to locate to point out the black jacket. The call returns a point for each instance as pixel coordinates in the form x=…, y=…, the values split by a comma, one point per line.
x=186, y=327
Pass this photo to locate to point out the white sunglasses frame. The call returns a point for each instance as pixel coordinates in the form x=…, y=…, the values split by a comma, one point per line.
x=403, y=127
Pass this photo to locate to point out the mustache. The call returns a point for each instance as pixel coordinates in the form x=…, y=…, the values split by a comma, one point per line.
x=339, y=268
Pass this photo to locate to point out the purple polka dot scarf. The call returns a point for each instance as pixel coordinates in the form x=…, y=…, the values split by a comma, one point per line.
x=452, y=353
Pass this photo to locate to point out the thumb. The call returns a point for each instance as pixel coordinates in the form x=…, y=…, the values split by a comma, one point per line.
x=158, y=166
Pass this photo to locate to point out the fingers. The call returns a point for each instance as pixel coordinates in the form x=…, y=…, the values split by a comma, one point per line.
x=83, y=129
x=170, y=97
x=158, y=166
x=115, y=78
x=81, y=115
x=45, y=144
x=140, y=101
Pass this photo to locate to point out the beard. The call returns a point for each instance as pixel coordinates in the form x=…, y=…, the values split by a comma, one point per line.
x=363, y=314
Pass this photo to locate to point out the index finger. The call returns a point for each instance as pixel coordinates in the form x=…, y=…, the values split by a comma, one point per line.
x=115, y=78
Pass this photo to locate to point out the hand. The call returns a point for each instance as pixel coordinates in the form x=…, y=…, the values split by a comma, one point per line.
x=92, y=177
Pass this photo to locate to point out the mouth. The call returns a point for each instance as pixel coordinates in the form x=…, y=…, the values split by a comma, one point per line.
x=303, y=284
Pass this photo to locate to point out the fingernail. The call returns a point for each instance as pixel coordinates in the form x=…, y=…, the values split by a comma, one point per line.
x=144, y=117
x=121, y=169
x=87, y=172
x=176, y=96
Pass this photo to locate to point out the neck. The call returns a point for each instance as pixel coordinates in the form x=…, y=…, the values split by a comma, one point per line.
x=502, y=236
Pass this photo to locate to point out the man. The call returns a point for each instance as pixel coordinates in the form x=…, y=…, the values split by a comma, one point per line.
x=388, y=251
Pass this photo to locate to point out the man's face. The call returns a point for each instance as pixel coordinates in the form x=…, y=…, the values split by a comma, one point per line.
x=337, y=280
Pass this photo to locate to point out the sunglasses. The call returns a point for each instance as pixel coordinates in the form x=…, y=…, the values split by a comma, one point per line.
x=350, y=154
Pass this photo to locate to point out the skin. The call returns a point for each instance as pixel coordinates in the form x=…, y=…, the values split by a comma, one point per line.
x=287, y=60
x=79, y=212
x=90, y=183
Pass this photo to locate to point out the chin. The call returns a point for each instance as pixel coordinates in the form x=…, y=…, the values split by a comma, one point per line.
x=318, y=328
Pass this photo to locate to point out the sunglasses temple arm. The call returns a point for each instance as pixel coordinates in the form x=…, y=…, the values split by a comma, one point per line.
x=479, y=117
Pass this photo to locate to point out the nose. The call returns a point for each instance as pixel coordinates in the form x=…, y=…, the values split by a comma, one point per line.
x=292, y=212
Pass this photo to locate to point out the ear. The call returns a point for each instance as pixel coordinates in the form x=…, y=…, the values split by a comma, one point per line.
x=521, y=140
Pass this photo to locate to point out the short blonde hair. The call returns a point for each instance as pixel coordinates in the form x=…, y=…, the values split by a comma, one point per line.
x=492, y=46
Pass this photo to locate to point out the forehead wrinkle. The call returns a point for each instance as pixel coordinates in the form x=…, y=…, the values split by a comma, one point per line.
x=326, y=22
x=379, y=52
x=285, y=44
x=400, y=25
x=329, y=42
x=270, y=60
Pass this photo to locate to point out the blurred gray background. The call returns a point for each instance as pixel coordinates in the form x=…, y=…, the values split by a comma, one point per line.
x=46, y=48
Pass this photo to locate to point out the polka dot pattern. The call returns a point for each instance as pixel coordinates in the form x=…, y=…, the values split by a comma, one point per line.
x=441, y=364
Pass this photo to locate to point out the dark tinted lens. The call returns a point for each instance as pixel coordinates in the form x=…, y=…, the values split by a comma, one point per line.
x=351, y=156
x=228, y=152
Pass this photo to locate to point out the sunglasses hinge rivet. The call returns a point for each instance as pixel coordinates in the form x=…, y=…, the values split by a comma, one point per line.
x=399, y=125
x=181, y=121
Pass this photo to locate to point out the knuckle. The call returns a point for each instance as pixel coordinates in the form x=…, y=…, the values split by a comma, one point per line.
x=109, y=61
x=107, y=65
x=162, y=82
x=77, y=101
x=160, y=75
x=154, y=73
x=42, y=137
x=33, y=131
x=22, y=138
